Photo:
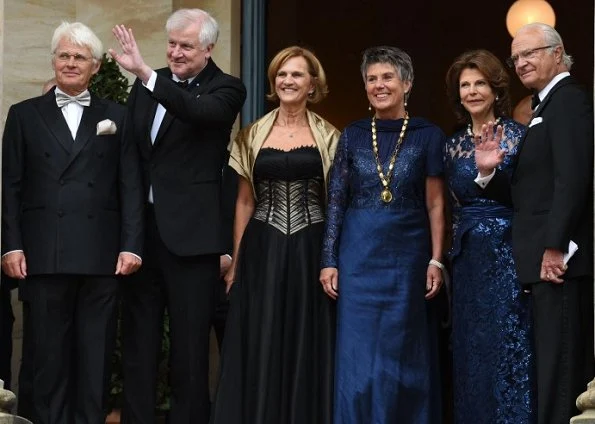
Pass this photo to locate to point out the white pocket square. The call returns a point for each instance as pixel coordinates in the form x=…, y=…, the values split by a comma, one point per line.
x=535, y=121
x=105, y=127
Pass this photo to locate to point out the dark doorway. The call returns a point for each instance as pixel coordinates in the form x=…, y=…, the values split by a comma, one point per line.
x=432, y=32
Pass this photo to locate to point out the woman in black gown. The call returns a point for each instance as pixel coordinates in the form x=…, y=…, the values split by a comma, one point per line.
x=277, y=359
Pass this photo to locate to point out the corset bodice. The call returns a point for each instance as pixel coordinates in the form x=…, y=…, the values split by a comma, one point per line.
x=289, y=188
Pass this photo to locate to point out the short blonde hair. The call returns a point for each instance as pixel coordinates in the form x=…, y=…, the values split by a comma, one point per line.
x=315, y=70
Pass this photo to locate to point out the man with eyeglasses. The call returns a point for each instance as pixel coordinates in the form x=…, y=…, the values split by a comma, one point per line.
x=551, y=192
x=181, y=119
x=72, y=223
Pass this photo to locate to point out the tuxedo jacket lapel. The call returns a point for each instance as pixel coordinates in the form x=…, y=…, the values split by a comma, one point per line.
x=538, y=112
x=55, y=121
x=542, y=105
x=150, y=117
x=88, y=127
x=519, y=151
x=195, y=88
x=168, y=117
x=165, y=123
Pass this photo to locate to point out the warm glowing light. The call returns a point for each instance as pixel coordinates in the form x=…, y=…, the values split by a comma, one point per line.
x=524, y=12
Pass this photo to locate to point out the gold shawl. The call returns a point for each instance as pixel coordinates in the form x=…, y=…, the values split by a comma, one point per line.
x=249, y=141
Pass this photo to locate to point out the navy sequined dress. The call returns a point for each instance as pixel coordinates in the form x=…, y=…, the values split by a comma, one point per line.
x=386, y=370
x=491, y=323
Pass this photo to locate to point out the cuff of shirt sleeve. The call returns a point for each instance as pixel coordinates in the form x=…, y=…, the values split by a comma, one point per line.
x=135, y=255
x=484, y=181
x=12, y=251
x=150, y=85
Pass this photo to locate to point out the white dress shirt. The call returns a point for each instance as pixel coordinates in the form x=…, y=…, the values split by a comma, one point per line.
x=73, y=112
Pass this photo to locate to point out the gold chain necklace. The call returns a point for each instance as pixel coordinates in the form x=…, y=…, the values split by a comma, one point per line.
x=386, y=195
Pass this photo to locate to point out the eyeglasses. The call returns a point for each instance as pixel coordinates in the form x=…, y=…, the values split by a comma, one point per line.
x=525, y=54
x=78, y=58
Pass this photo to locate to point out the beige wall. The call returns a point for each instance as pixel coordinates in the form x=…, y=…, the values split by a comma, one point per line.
x=27, y=26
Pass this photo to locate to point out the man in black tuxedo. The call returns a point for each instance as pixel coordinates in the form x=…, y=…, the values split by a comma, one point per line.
x=182, y=117
x=72, y=221
x=551, y=192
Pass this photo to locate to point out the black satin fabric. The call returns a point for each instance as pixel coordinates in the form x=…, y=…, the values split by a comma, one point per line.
x=277, y=360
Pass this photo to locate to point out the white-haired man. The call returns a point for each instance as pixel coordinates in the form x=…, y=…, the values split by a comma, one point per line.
x=72, y=221
x=551, y=191
x=182, y=117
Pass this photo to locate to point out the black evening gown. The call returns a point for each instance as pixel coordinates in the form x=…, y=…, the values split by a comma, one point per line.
x=277, y=359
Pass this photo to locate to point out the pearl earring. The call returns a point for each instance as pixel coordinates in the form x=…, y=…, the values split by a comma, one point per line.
x=370, y=107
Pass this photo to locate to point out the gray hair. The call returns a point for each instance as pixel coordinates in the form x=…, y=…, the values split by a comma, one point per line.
x=551, y=37
x=80, y=35
x=389, y=55
x=183, y=18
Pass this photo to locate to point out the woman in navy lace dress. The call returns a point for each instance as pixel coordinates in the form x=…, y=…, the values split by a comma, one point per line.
x=278, y=350
x=491, y=327
x=382, y=253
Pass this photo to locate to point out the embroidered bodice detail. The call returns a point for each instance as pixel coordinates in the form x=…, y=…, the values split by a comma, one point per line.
x=289, y=188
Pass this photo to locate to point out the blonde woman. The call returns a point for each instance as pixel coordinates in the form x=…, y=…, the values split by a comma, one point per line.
x=277, y=364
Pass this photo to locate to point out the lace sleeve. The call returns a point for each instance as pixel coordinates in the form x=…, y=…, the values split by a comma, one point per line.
x=337, y=203
x=513, y=136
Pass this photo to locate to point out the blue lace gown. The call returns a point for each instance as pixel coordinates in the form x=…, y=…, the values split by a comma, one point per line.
x=491, y=327
x=385, y=365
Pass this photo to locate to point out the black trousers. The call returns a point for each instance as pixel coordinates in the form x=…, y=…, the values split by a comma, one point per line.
x=187, y=287
x=220, y=313
x=25, y=395
x=67, y=345
x=6, y=322
x=563, y=334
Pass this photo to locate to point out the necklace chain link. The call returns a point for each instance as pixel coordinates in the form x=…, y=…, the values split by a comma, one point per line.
x=386, y=194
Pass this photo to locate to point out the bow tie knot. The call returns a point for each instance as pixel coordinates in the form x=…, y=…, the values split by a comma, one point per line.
x=535, y=100
x=83, y=99
x=182, y=84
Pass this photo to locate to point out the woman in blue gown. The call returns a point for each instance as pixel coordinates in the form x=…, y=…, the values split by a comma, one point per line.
x=491, y=327
x=382, y=251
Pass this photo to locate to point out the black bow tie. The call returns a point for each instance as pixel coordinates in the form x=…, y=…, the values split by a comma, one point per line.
x=535, y=100
x=182, y=84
